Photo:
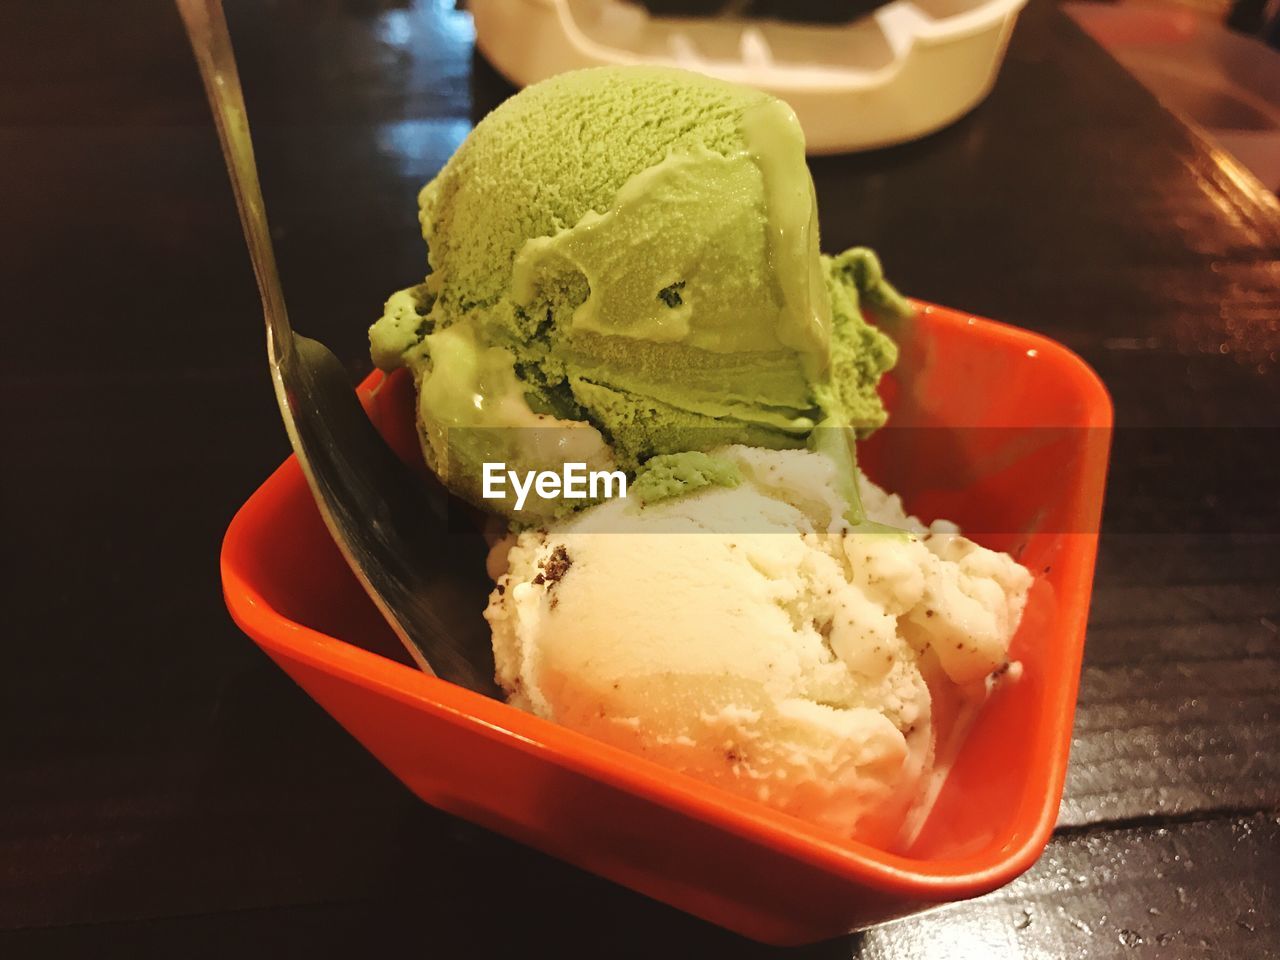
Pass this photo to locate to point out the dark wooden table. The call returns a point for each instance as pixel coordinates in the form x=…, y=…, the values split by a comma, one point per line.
x=166, y=791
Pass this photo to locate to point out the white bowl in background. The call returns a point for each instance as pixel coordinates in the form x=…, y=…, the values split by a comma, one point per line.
x=905, y=70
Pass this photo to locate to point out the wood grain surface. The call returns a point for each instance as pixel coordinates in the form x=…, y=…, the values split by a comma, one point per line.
x=166, y=791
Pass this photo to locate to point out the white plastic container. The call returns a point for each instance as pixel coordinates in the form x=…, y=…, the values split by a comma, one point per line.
x=905, y=70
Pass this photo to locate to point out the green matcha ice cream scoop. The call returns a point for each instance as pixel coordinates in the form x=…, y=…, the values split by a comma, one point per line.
x=623, y=263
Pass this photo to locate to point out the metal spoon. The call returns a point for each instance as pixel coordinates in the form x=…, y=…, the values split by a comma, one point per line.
x=391, y=529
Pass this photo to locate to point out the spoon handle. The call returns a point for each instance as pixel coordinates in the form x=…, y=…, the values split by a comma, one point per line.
x=207, y=28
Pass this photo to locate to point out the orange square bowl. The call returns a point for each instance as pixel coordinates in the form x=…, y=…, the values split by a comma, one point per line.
x=1002, y=430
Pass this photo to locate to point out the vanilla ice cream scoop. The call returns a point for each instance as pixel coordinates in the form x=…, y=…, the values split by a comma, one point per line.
x=746, y=635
